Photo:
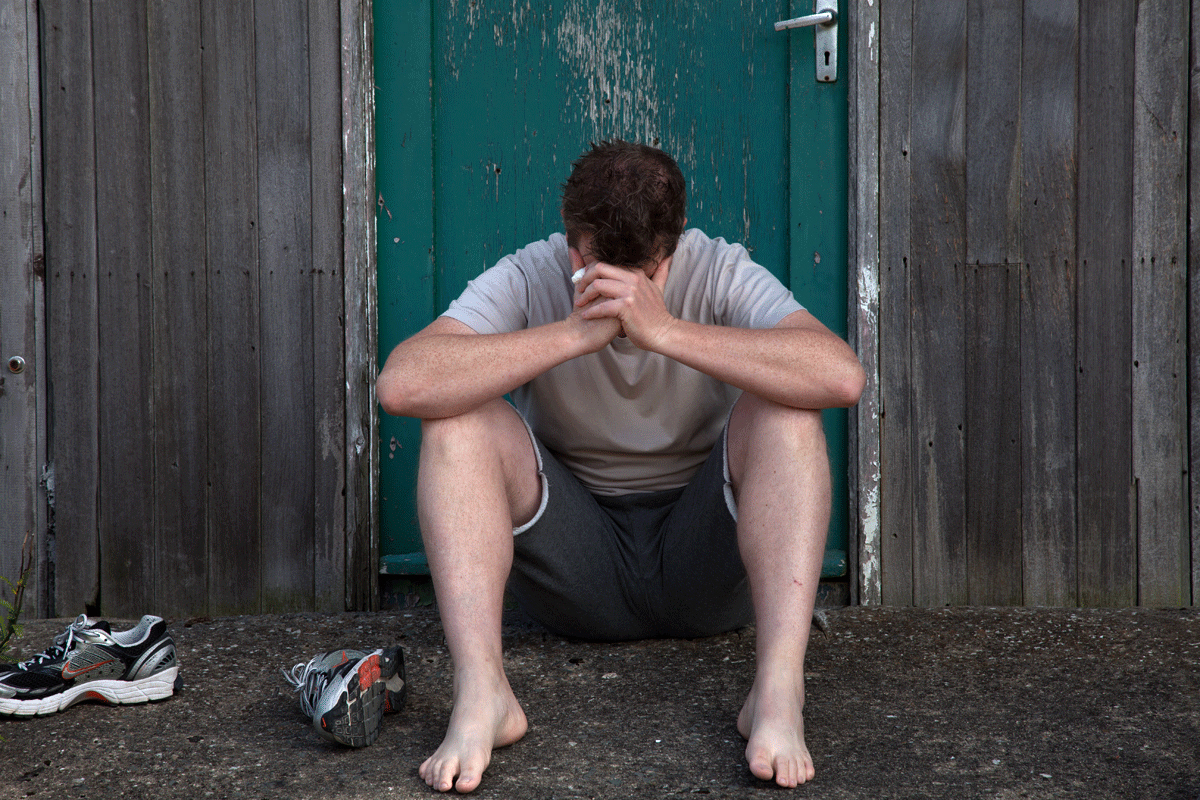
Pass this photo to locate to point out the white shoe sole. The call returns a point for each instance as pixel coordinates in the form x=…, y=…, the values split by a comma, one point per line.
x=159, y=686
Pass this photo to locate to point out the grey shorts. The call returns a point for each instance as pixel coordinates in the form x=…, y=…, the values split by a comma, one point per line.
x=656, y=565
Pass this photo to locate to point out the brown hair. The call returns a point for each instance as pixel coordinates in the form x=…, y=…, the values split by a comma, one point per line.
x=630, y=197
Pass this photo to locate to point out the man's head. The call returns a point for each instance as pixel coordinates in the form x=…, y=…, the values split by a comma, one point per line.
x=630, y=199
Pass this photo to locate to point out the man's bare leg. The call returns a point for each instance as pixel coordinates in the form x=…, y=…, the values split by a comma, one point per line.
x=780, y=471
x=477, y=480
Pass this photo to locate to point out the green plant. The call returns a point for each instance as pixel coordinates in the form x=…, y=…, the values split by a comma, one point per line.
x=9, y=627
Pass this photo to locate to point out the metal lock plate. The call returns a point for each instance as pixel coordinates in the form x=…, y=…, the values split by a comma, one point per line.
x=823, y=20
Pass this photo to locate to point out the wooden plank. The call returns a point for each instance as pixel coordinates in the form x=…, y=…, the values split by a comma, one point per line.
x=234, y=389
x=329, y=380
x=993, y=434
x=360, y=304
x=896, y=465
x=1160, y=304
x=864, y=245
x=70, y=208
x=936, y=286
x=1107, y=542
x=41, y=585
x=180, y=300
x=1049, y=77
x=123, y=245
x=993, y=96
x=21, y=433
x=1194, y=295
x=285, y=303
x=993, y=304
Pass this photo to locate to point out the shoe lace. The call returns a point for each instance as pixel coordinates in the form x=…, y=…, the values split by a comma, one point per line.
x=310, y=680
x=62, y=644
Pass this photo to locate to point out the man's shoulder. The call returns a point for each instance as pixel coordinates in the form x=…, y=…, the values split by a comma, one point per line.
x=700, y=250
x=544, y=252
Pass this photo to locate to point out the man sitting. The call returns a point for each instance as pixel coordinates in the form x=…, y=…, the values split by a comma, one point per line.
x=663, y=472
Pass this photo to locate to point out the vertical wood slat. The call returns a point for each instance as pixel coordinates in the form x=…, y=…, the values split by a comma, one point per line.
x=180, y=301
x=22, y=444
x=127, y=423
x=993, y=305
x=231, y=235
x=993, y=434
x=1107, y=550
x=329, y=363
x=863, y=256
x=936, y=286
x=285, y=302
x=896, y=464
x=1048, y=164
x=993, y=100
x=41, y=583
x=1160, y=304
x=1194, y=296
x=69, y=177
x=360, y=306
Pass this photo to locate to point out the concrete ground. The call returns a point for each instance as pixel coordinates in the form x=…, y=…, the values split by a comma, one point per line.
x=951, y=703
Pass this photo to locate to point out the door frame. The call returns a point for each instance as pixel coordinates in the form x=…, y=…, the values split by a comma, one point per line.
x=360, y=306
x=863, y=253
x=862, y=71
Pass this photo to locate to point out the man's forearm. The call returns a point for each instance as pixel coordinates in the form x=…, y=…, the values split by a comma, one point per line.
x=435, y=375
x=801, y=367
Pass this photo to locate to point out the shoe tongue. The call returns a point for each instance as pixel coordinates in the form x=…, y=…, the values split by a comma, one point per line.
x=100, y=625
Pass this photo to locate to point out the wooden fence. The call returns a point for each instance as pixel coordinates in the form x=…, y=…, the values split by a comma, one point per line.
x=1027, y=441
x=207, y=212
x=188, y=198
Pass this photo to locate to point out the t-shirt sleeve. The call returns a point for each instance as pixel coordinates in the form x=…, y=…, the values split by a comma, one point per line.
x=494, y=302
x=747, y=295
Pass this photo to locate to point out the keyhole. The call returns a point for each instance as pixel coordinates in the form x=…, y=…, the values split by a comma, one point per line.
x=827, y=58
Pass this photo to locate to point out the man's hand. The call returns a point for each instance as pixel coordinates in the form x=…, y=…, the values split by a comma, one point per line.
x=596, y=332
x=629, y=296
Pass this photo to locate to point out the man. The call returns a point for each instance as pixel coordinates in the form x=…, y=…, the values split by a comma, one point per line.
x=664, y=472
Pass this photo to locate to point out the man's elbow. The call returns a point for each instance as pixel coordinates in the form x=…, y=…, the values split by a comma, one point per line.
x=850, y=385
x=395, y=397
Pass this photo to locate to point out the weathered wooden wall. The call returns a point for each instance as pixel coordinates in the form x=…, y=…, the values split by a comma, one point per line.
x=1033, y=332
x=208, y=271
x=22, y=383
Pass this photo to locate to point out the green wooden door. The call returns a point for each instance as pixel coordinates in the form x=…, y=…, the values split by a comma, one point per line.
x=481, y=107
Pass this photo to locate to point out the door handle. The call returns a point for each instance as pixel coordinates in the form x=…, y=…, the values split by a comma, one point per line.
x=824, y=24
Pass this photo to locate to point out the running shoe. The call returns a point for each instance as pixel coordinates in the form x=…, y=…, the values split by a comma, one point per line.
x=88, y=661
x=347, y=692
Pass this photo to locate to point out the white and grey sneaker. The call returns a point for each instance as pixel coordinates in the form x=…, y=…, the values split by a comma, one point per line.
x=347, y=692
x=90, y=661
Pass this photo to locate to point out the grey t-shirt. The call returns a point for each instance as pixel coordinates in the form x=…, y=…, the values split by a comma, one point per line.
x=622, y=419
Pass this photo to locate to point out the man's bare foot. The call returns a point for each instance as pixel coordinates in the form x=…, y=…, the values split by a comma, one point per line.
x=772, y=722
x=484, y=717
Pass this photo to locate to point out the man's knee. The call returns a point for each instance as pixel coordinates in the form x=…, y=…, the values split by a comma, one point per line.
x=760, y=429
x=485, y=427
x=491, y=439
x=771, y=423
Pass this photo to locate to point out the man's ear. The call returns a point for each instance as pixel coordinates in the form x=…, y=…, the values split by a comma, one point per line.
x=576, y=260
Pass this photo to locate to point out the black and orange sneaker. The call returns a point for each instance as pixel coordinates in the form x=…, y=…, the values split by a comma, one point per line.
x=88, y=661
x=347, y=692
